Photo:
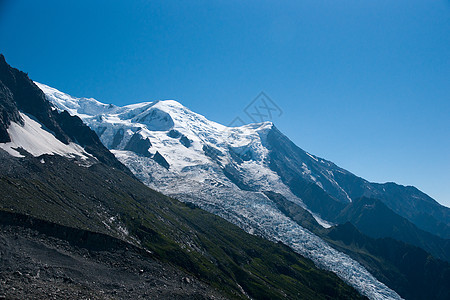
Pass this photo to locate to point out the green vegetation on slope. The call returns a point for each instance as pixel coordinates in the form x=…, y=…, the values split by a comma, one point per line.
x=409, y=270
x=365, y=212
x=55, y=189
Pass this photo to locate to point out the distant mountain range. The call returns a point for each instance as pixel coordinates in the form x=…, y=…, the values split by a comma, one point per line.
x=76, y=162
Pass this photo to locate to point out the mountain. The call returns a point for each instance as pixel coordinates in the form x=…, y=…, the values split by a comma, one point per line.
x=330, y=188
x=409, y=270
x=104, y=200
x=365, y=212
x=74, y=220
x=225, y=170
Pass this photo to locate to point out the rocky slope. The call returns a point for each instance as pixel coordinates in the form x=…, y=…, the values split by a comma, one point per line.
x=43, y=260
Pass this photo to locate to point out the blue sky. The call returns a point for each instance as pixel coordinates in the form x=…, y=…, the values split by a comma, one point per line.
x=365, y=84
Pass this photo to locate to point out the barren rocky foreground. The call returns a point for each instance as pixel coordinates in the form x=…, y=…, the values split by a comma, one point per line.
x=42, y=266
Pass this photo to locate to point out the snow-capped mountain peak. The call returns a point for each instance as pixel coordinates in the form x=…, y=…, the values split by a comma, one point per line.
x=75, y=106
x=183, y=138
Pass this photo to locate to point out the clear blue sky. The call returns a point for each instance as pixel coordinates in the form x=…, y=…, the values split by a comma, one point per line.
x=365, y=84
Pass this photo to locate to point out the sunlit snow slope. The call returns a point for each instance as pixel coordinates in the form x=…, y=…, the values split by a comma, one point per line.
x=223, y=170
x=34, y=138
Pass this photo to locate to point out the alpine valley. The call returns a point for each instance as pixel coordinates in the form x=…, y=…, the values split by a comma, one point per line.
x=152, y=200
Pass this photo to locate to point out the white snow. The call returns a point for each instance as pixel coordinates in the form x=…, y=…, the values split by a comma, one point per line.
x=322, y=222
x=86, y=107
x=312, y=157
x=37, y=140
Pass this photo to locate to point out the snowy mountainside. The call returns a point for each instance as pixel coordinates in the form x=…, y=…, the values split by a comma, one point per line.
x=222, y=170
x=188, y=141
x=191, y=144
x=36, y=140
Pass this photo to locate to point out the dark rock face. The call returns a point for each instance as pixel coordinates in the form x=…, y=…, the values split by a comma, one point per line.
x=29, y=98
x=212, y=152
x=235, y=176
x=185, y=141
x=117, y=139
x=286, y=159
x=8, y=112
x=297, y=213
x=139, y=145
x=161, y=160
x=375, y=219
x=175, y=134
x=414, y=205
x=239, y=156
x=409, y=270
